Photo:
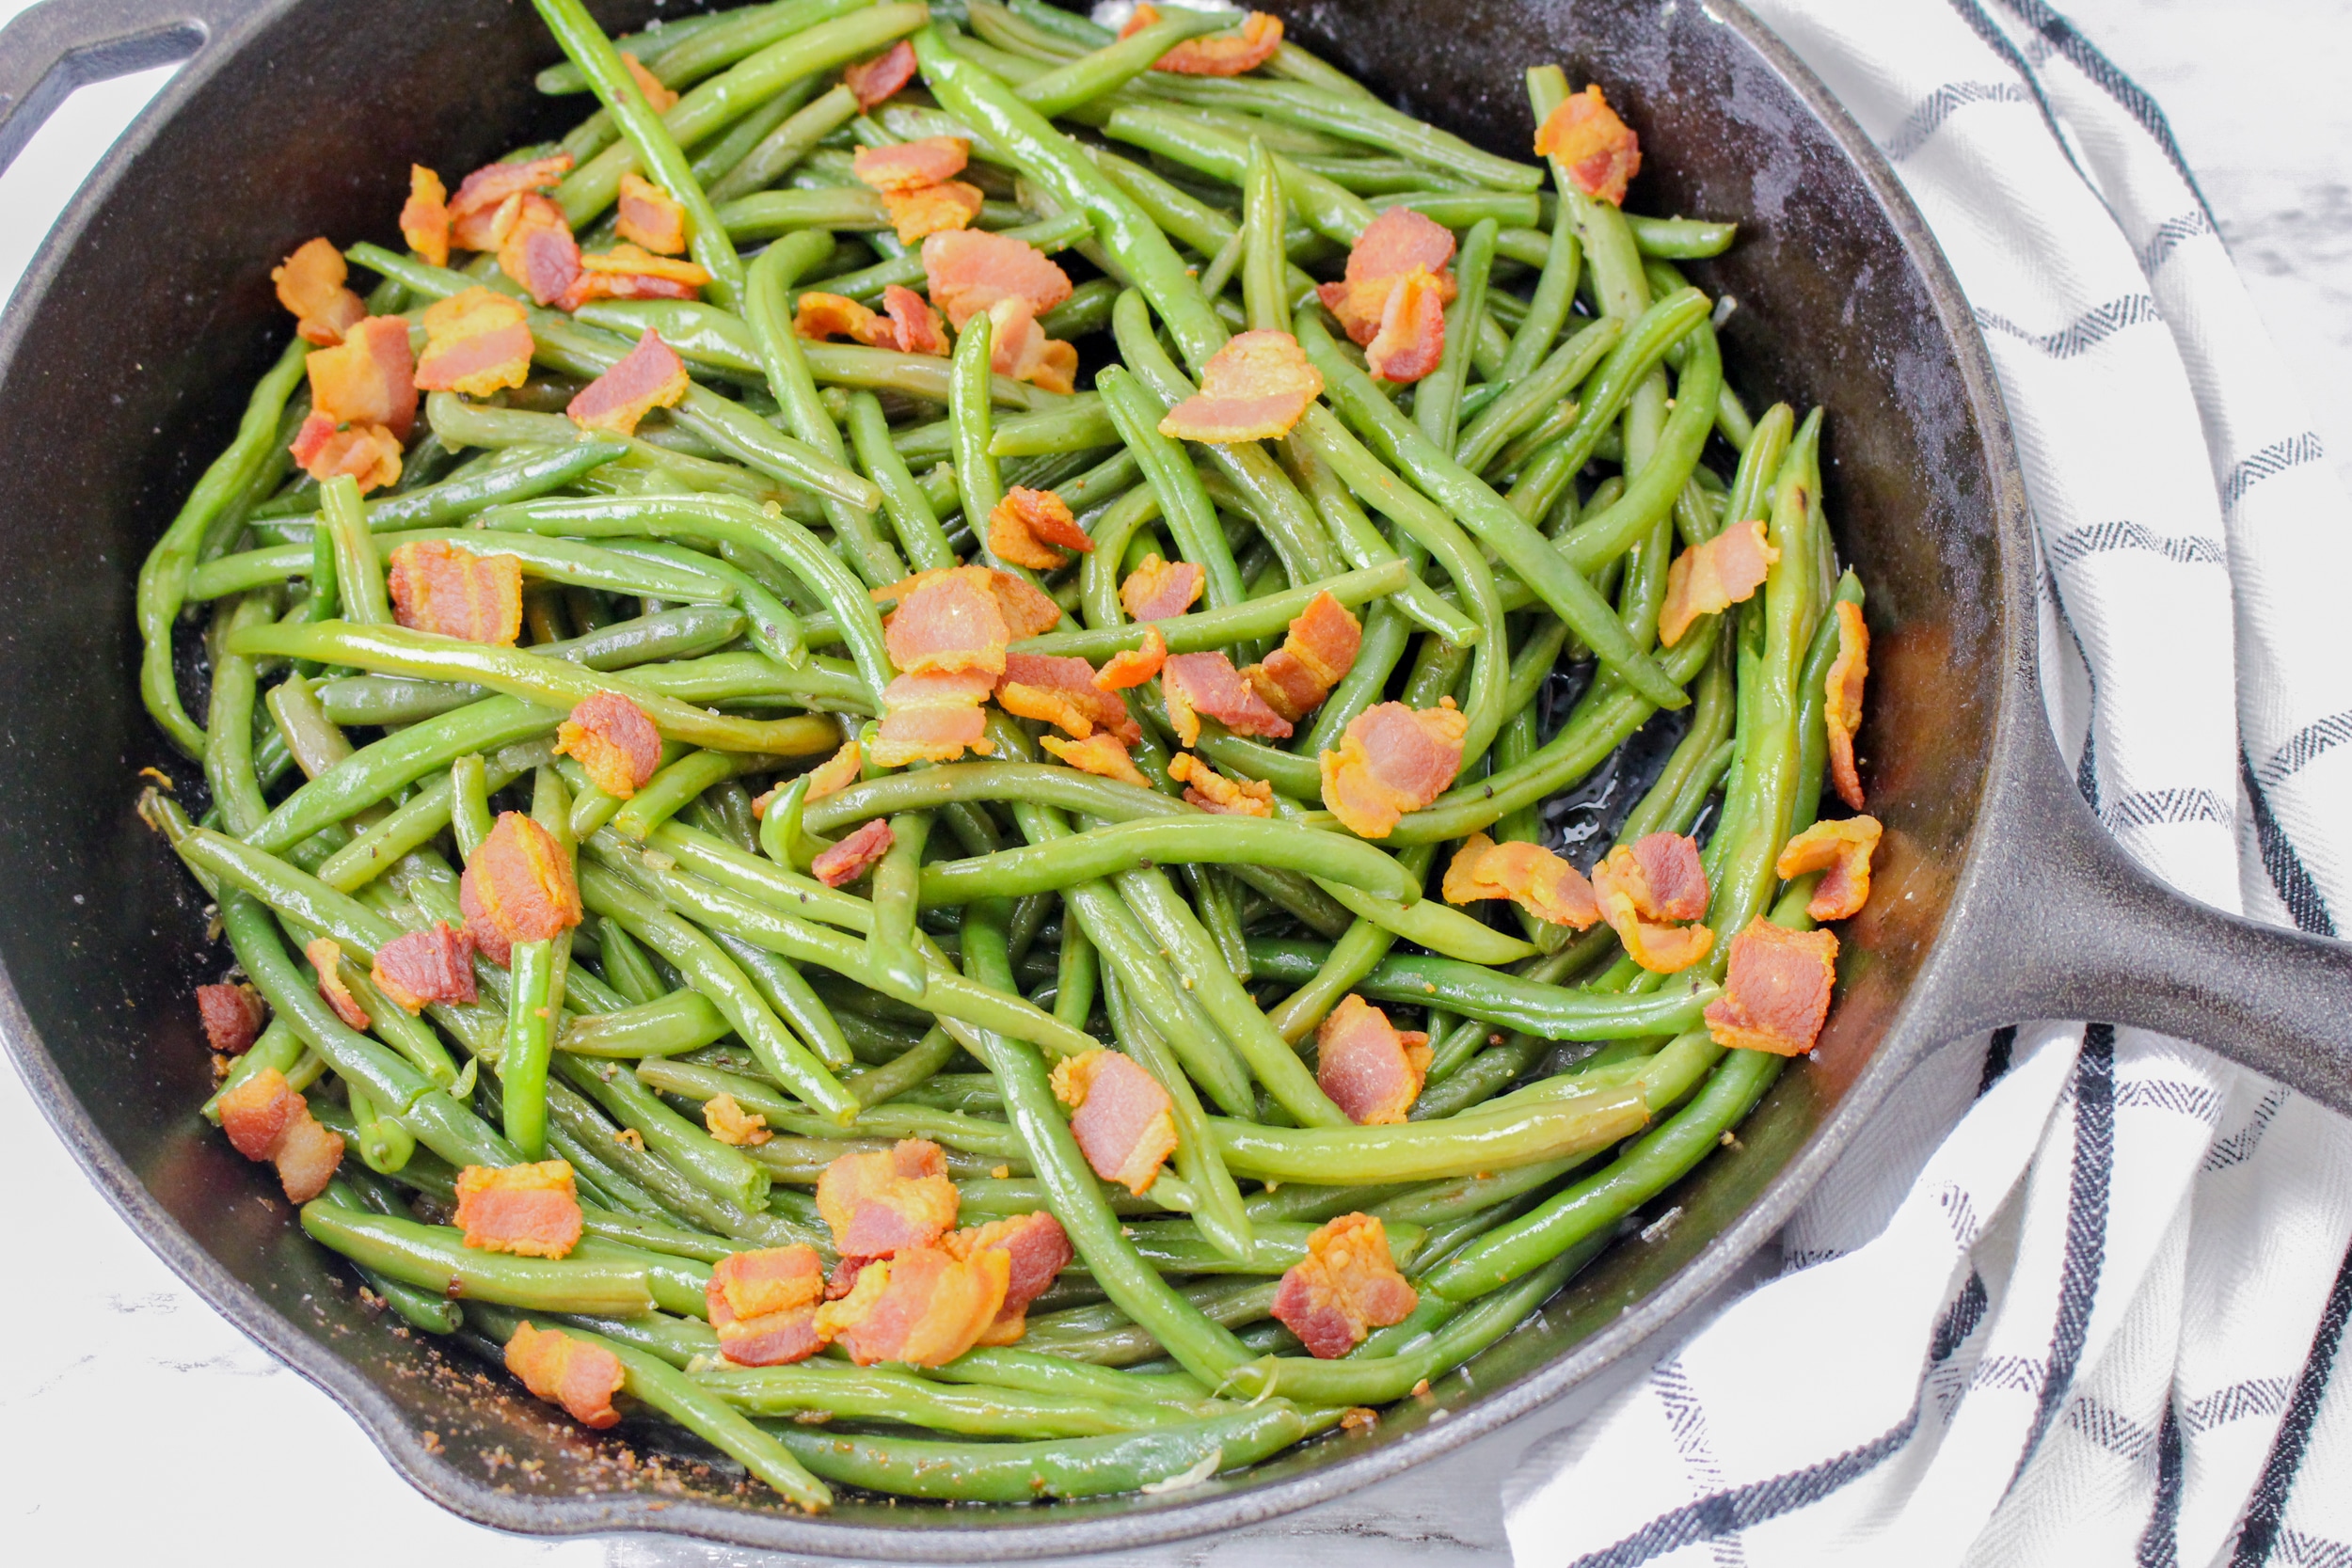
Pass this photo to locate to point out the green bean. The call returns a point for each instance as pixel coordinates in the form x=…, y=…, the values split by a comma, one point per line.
x=228, y=756
x=1079, y=426
x=1680, y=239
x=910, y=508
x=893, y=965
x=1217, y=629
x=1352, y=114
x=1554, y=1012
x=544, y=559
x=1509, y=413
x=359, y=573
x=867, y=284
x=667, y=793
x=907, y=1070
x=1437, y=397
x=667, y=1025
x=652, y=48
x=1347, y=963
x=1196, y=839
x=718, y=1169
x=1090, y=76
x=433, y=1257
x=1479, y=1141
x=1010, y=1368
x=1087, y=311
x=862, y=1393
x=794, y=1000
x=1185, y=503
x=771, y=214
x=787, y=144
x=530, y=1041
x=1650, y=495
x=1812, y=701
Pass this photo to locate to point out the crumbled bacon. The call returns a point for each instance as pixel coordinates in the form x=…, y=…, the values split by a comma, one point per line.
x=923, y=1306
x=1641, y=886
x=1392, y=759
x=1123, y=1120
x=910, y=165
x=1131, y=667
x=517, y=887
x=613, y=742
x=1028, y=525
x=914, y=326
x=763, y=1304
x=1599, y=151
x=424, y=217
x=1847, y=674
x=578, y=1376
x=649, y=377
x=1017, y=347
x=1061, y=691
x=874, y=80
x=632, y=272
x=1411, y=340
x=1318, y=650
x=310, y=284
x=855, y=855
x=929, y=210
x=1211, y=790
x=538, y=251
x=1530, y=876
x=368, y=378
x=651, y=217
x=970, y=269
x=531, y=1210
x=933, y=717
x=1158, y=590
x=1036, y=1248
x=1708, y=579
x=1346, y=1285
x=837, y=772
x=477, y=342
x=1370, y=1069
x=1842, y=851
x=907, y=323
x=659, y=98
x=266, y=1120
x=326, y=956
x=1776, y=990
x=232, y=1015
x=1244, y=49
x=444, y=588
x=1195, y=684
x=949, y=621
x=1254, y=388
x=726, y=1120
x=366, y=452
x=1100, y=754
x=418, y=967
x=479, y=214
x=1397, y=242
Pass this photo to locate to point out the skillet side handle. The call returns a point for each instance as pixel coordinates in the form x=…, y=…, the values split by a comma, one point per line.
x=2058, y=921
x=53, y=47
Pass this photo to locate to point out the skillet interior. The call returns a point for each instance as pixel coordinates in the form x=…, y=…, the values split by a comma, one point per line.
x=127, y=358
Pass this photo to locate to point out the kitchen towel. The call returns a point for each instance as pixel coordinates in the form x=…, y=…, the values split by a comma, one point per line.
x=2077, y=1295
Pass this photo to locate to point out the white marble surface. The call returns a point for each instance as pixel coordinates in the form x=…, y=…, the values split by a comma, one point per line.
x=119, y=1383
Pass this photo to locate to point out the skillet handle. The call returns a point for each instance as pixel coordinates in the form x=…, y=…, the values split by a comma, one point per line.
x=2060, y=923
x=54, y=47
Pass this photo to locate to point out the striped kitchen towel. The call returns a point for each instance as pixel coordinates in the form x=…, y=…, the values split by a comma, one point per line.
x=2077, y=1295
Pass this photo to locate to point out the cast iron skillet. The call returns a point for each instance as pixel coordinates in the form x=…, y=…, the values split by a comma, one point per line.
x=128, y=350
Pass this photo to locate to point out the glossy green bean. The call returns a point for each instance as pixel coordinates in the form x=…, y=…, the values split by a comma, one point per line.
x=1486, y=1140
x=893, y=964
x=530, y=1043
x=435, y=1257
x=1184, y=502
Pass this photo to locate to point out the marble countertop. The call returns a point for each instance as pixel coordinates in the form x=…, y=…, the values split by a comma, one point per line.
x=115, y=1357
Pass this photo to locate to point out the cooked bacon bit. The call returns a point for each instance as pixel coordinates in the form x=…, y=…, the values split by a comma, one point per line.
x=922, y=1307
x=1195, y=684
x=326, y=956
x=1061, y=691
x=1395, y=243
x=416, y=967
x=1029, y=610
x=440, y=587
x=233, y=1016
x=1841, y=849
x=1411, y=340
x=910, y=165
x=531, y=1210
x=310, y=284
x=1776, y=992
x=1131, y=667
x=613, y=742
x=764, y=1305
x=1392, y=759
x=1036, y=1248
x=728, y=1123
x=908, y=323
x=933, y=716
x=855, y=855
x=1027, y=524
x=1212, y=791
x=928, y=209
x=631, y=271
x=266, y=1120
x=1345, y=1286
x=1254, y=388
x=368, y=378
x=1123, y=1120
x=651, y=217
x=1708, y=579
x=950, y=622
x=918, y=329
x=1100, y=754
x=424, y=217
x=1319, y=649
x=875, y=80
x=820, y=315
x=1655, y=879
x=1220, y=55
x=649, y=377
x=1599, y=151
x=837, y=772
x=478, y=213
x=1158, y=590
x=659, y=99
x=970, y=269
x=476, y=343
x=883, y=1202
x=1370, y=1069
x=537, y=250
x=367, y=452
x=1017, y=347
x=1530, y=876
x=581, y=1377
x=1847, y=673
x=517, y=887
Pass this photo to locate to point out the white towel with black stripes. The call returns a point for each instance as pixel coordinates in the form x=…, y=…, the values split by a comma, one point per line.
x=2075, y=1298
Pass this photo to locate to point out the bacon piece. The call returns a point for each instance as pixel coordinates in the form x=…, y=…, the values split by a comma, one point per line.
x=928, y=209
x=477, y=342
x=531, y=1210
x=1195, y=684
x=649, y=377
x=1247, y=48
x=1123, y=1120
x=1101, y=754
x=1708, y=579
x=1158, y=590
x=820, y=315
x=933, y=716
x=1841, y=849
x=1847, y=674
x=651, y=217
x=917, y=328
x=763, y=1303
x=908, y=323
x=855, y=855
x=1530, y=876
x=1025, y=527
x=968, y=270
x=476, y=211
x=1061, y=691
x=416, y=967
x=1212, y=791
x=659, y=98
x=424, y=216
x=1599, y=151
x=726, y=1120
x=632, y=272
x=517, y=887
x=1370, y=1069
x=1655, y=879
x=1392, y=759
x=950, y=621
x=1254, y=388
x=1776, y=990
x=444, y=588
x=1411, y=340
x=367, y=452
x=578, y=1376
x=326, y=956
x=232, y=1015
x=1318, y=650
x=1396, y=242
x=266, y=1120
x=923, y=1306
x=910, y=165
x=613, y=742
x=837, y=772
x=1345, y=1286
x=883, y=1202
x=1131, y=667
x=874, y=80
x=1017, y=347
x=310, y=284
x=1036, y=1248
x=368, y=378
x=538, y=251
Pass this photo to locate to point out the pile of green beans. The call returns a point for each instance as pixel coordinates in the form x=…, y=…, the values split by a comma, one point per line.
x=1503, y=530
